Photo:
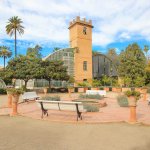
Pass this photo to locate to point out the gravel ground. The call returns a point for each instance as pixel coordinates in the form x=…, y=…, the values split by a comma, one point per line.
x=21, y=133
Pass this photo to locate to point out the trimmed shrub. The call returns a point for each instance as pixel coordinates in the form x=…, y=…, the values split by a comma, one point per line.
x=122, y=101
x=88, y=96
x=91, y=108
x=3, y=91
x=50, y=98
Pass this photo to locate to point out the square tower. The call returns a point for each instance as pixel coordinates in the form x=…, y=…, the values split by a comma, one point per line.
x=81, y=40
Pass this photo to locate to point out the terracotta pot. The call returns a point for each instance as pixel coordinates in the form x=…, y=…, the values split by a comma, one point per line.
x=126, y=89
x=94, y=88
x=15, y=99
x=81, y=90
x=85, y=88
x=106, y=89
x=118, y=89
x=132, y=101
x=113, y=89
x=9, y=100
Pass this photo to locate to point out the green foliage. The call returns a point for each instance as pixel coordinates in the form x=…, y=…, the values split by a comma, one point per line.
x=3, y=91
x=25, y=68
x=54, y=70
x=91, y=108
x=5, y=76
x=14, y=25
x=15, y=91
x=140, y=81
x=50, y=98
x=84, y=84
x=5, y=53
x=132, y=64
x=88, y=96
x=96, y=83
x=106, y=81
x=34, y=52
x=136, y=94
x=122, y=101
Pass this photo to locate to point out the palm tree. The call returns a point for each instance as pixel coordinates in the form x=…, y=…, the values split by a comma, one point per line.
x=146, y=49
x=14, y=26
x=5, y=53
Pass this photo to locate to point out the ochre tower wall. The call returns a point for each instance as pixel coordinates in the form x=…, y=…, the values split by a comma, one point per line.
x=83, y=44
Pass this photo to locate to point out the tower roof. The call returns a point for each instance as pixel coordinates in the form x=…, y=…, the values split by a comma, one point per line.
x=81, y=22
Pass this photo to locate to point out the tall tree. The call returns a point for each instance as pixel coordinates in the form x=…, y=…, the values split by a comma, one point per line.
x=14, y=25
x=54, y=70
x=24, y=68
x=34, y=52
x=5, y=53
x=146, y=49
x=132, y=64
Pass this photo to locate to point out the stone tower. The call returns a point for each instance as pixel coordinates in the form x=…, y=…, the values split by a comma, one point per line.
x=81, y=40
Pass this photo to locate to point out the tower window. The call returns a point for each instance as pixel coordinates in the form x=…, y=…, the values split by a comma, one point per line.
x=85, y=65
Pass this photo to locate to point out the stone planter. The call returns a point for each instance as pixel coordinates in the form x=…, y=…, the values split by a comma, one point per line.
x=85, y=88
x=106, y=89
x=126, y=89
x=132, y=105
x=132, y=101
x=9, y=100
x=81, y=90
x=113, y=89
x=15, y=100
x=94, y=88
x=118, y=89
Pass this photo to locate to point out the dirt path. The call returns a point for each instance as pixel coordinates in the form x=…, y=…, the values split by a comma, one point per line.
x=21, y=133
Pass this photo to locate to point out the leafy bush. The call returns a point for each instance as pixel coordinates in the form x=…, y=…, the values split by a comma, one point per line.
x=91, y=108
x=133, y=93
x=96, y=83
x=15, y=91
x=3, y=91
x=50, y=98
x=122, y=101
x=84, y=84
x=88, y=96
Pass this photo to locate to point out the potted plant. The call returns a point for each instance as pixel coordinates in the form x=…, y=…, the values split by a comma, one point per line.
x=15, y=93
x=71, y=85
x=133, y=96
x=95, y=84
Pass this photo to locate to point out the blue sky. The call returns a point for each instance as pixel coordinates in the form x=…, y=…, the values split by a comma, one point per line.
x=117, y=23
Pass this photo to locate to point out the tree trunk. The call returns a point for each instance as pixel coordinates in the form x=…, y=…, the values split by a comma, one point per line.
x=49, y=83
x=15, y=43
x=26, y=84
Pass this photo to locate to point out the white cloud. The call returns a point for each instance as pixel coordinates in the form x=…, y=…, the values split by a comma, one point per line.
x=48, y=20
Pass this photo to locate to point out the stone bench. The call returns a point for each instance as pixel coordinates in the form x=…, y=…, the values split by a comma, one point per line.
x=26, y=96
x=95, y=92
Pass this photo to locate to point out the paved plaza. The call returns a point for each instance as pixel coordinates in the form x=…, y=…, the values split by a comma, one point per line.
x=111, y=113
x=22, y=133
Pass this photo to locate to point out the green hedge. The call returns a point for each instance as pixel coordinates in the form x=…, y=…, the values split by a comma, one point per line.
x=50, y=98
x=88, y=96
x=122, y=101
x=3, y=91
x=91, y=108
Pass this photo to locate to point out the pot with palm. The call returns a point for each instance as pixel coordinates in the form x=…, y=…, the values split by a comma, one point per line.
x=133, y=97
x=15, y=93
